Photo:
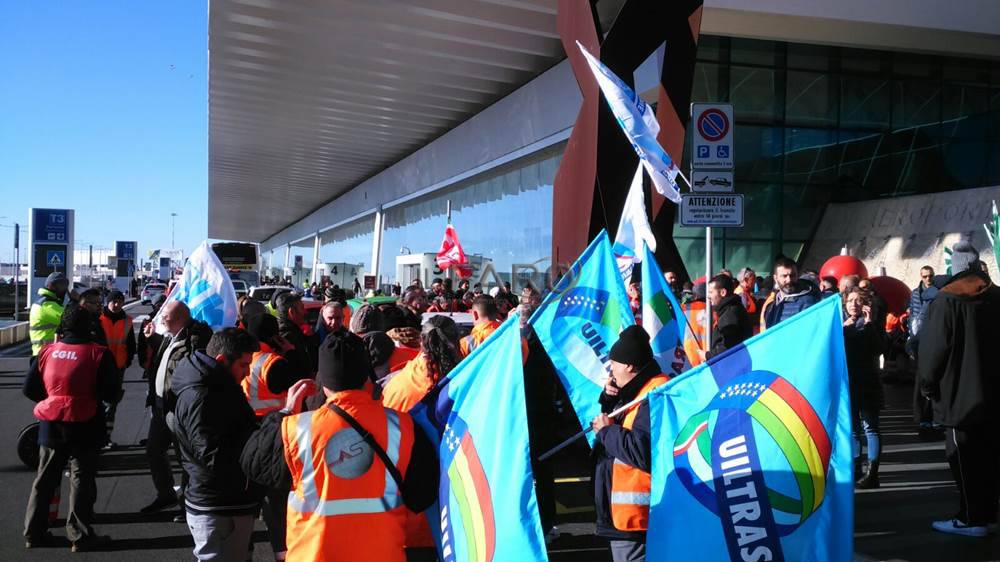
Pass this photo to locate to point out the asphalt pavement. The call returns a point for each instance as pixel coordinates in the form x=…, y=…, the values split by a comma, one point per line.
x=891, y=523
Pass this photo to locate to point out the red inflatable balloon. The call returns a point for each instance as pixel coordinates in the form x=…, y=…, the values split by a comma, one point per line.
x=839, y=266
x=895, y=293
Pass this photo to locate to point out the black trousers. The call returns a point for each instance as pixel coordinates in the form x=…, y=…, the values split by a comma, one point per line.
x=974, y=457
x=82, y=490
x=158, y=444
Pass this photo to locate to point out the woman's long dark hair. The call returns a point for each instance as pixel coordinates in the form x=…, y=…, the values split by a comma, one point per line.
x=439, y=346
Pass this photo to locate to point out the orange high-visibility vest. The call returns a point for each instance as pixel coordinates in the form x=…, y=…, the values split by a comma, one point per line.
x=630, y=487
x=261, y=399
x=116, y=333
x=344, y=504
x=695, y=338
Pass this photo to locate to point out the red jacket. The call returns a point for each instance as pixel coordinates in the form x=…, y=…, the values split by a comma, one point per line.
x=69, y=372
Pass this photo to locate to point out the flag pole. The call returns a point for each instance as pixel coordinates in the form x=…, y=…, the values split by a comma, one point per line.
x=570, y=441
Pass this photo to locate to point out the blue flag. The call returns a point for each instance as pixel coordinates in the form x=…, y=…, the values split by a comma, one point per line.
x=487, y=511
x=207, y=290
x=579, y=321
x=662, y=318
x=752, y=450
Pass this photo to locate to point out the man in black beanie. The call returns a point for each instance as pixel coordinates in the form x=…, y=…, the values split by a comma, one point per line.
x=366, y=453
x=622, y=450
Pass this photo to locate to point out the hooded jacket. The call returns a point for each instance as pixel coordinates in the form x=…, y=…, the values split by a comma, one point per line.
x=212, y=423
x=959, y=352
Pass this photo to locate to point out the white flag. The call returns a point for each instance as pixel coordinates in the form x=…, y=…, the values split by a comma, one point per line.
x=206, y=289
x=633, y=229
x=634, y=115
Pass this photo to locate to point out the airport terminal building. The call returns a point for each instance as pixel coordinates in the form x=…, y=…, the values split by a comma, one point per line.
x=339, y=132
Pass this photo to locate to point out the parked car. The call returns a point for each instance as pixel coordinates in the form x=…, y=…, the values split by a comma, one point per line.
x=151, y=292
x=241, y=287
x=264, y=294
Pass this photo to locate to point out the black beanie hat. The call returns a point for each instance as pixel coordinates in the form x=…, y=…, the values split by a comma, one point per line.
x=344, y=362
x=632, y=348
x=262, y=326
x=380, y=347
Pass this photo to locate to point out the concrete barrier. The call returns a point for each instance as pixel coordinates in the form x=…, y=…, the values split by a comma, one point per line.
x=14, y=333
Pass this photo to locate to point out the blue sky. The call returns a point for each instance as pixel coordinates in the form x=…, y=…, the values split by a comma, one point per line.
x=103, y=109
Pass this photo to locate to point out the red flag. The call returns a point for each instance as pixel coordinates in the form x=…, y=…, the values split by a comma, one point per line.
x=452, y=255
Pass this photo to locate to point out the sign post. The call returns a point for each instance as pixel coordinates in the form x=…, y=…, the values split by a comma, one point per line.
x=17, y=265
x=125, y=254
x=51, y=232
x=712, y=163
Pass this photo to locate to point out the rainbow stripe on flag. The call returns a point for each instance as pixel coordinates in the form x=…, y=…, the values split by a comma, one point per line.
x=468, y=484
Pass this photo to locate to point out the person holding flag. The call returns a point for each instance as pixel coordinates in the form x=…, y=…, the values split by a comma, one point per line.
x=622, y=447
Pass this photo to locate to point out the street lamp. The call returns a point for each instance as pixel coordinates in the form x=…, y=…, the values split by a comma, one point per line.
x=173, y=216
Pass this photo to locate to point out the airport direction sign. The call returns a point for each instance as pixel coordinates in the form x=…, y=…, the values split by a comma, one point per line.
x=712, y=210
x=712, y=181
x=713, y=136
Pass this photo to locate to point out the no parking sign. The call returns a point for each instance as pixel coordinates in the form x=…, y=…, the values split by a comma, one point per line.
x=713, y=135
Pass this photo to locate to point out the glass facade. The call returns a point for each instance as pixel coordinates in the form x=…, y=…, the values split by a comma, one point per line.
x=818, y=124
x=504, y=214
x=349, y=243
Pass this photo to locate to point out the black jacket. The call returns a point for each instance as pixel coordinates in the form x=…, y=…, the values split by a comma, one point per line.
x=195, y=337
x=863, y=344
x=303, y=359
x=91, y=433
x=629, y=446
x=263, y=461
x=212, y=422
x=732, y=327
x=959, y=367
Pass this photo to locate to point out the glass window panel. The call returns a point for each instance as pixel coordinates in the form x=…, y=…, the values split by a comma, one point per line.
x=802, y=210
x=755, y=93
x=792, y=250
x=962, y=101
x=992, y=176
x=972, y=72
x=905, y=64
x=755, y=254
x=811, y=155
x=705, y=85
x=761, y=206
x=915, y=102
x=753, y=51
x=863, y=61
x=505, y=215
x=350, y=243
x=812, y=98
x=965, y=163
x=711, y=47
x=759, y=153
x=810, y=57
x=692, y=251
x=864, y=102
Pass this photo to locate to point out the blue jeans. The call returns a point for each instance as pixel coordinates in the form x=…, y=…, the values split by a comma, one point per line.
x=866, y=423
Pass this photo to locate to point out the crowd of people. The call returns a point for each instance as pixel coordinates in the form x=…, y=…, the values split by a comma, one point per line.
x=306, y=425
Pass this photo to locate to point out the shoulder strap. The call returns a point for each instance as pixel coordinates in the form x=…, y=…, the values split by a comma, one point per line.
x=389, y=465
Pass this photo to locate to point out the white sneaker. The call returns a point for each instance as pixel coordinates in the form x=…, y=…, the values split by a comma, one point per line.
x=956, y=527
x=552, y=535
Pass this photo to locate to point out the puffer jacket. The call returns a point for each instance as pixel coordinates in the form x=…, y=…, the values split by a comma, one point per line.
x=920, y=300
x=785, y=305
x=193, y=337
x=212, y=423
x=959, y=355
